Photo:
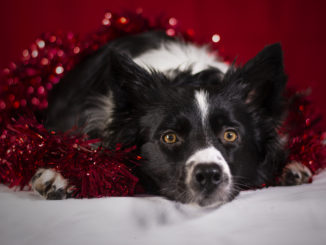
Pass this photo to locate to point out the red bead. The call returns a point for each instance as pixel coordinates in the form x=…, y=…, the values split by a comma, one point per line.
x=170, y=32
x=11, y=97
x=173, y=21
x=108, y=15
x=123, y=20
x=35, y=101
x=106, y=22
x=60, y=53
x=76, y=50
x=2, y=105
x=44, y=61
x=40, y=90
x=53, y=39
x=23, y=102
x=30, y=90
x=6, y=71
x=16, y=104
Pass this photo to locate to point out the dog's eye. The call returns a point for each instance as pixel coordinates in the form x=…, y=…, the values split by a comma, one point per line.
x=170, y=138
x=230, y=136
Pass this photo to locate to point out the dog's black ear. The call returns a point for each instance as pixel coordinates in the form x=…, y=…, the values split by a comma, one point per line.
x=127, y=79
x=133, y=89
x=263, y=79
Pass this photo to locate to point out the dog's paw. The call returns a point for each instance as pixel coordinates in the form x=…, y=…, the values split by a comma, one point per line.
x=50, y=184
x=295, y=173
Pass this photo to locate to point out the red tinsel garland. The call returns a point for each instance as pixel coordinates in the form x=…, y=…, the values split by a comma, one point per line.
x=26, y=145
x=306, y=141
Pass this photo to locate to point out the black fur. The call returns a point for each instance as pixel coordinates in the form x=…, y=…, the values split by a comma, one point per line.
x=147, y=104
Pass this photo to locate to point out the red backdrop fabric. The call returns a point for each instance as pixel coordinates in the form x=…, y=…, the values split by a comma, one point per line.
x=245, y=28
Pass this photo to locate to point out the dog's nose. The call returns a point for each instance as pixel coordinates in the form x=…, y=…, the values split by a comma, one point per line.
x=207, y=176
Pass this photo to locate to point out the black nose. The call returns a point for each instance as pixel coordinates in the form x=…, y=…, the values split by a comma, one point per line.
x=207, y=176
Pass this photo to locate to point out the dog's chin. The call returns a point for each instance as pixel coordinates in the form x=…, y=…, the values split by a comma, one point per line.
x=223, y=194
x=202, y=199
x=213, y=200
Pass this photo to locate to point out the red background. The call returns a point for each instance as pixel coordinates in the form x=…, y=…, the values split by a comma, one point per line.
x=245, y=27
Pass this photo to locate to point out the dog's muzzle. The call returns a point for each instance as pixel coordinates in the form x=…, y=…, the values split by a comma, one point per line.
x=208, y=177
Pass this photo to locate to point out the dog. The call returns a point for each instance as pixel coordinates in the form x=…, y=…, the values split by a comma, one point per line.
x=205, y=130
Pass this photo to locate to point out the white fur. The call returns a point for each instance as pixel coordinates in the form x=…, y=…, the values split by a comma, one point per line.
x=60, y=182
x=48, y=175
x=209, y=155
x=100, y=116
x=184, y=56
x=202, y=103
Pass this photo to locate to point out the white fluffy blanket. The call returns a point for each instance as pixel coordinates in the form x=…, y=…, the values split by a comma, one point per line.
x=278, y=215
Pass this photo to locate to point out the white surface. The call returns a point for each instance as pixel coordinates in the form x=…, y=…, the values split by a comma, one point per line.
x=280, y=215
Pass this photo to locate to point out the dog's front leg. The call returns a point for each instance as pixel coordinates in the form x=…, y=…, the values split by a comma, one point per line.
x=295, y=173
x=50, y=184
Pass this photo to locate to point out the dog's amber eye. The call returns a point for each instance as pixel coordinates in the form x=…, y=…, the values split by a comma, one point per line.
x=230, y=136
x=170, y=138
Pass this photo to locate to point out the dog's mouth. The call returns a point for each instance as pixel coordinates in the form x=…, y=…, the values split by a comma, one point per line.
x=211, y=194
x=202, y=198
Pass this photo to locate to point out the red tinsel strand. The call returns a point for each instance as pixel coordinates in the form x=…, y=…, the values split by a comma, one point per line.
x=26, y=145
x=305, y=137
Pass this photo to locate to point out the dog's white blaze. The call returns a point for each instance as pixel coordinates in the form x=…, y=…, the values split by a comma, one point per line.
x=202, y=103
x=183, y=56
x=209, y=155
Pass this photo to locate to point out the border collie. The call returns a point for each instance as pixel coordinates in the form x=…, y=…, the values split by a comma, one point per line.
x=205, y=130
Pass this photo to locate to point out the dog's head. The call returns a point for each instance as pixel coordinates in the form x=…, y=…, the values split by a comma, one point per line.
x=203, y=138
